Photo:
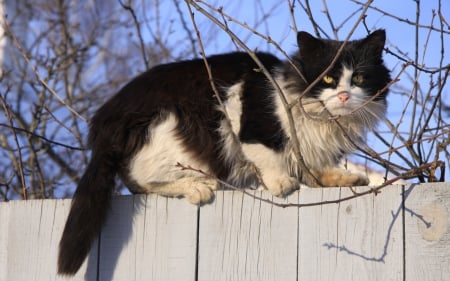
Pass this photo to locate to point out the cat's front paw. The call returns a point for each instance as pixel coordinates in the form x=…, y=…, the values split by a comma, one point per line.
x=281, y=186
x=201, y=191
x=341, y=177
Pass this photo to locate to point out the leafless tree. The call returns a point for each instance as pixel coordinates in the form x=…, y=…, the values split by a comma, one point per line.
x=62, y=59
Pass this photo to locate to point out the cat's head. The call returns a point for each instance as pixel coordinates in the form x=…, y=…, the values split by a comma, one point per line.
x=356, y=84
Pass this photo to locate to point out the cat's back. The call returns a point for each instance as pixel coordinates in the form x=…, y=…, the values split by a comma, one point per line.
x=183, y=83
x=178, y=86
x=190, y=77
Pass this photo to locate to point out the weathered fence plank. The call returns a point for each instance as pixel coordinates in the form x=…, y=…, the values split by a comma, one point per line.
x=242, y=238
x=33, y=231
x=358, y=239
x=149, y=238
x=4, y=238
x=403, y=233
x=427, y=231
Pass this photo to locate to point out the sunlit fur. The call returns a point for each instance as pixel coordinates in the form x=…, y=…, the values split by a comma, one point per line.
x=321, y=129
x=170, y=115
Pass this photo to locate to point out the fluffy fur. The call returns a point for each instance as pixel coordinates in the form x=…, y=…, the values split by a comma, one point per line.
x=170, y=115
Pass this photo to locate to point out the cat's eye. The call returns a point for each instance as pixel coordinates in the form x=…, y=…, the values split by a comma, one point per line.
x=328, y=79
x=358, y=79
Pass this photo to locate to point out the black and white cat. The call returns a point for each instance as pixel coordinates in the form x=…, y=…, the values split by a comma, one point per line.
x=170, y=114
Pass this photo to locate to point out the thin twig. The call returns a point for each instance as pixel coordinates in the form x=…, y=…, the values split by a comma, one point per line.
x=19, y=149
x=372, y=190
x=139, y=32
x=38, y=75
x=17, y=129
x=413, y=23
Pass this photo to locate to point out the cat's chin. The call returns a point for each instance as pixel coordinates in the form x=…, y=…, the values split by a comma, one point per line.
x=339, y=111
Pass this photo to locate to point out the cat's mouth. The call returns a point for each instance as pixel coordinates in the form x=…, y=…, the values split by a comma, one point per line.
x=340, y=105
x=327, y=108
x=340, y=110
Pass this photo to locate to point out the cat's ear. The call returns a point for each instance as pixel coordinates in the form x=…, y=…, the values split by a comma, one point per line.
x=307, y=43
x=375, y=42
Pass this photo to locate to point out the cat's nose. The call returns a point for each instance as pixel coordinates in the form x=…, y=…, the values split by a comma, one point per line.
x=343, y=96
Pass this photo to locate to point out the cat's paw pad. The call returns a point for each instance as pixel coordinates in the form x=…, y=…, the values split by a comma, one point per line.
x=341, y=177
x=282, y=186
x=201, y=192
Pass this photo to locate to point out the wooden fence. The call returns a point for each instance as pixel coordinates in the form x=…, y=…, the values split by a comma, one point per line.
x=400, y=234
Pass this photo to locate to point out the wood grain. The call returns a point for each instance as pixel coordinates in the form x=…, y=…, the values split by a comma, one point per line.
x=5, y=209
x=238, y=237
x=359, y=239
x=34, y=229
x=427, y=231
x=242, y=238
x=149, y=238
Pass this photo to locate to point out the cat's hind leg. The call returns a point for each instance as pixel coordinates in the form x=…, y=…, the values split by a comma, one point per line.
x=197, y=190
x=339, y=177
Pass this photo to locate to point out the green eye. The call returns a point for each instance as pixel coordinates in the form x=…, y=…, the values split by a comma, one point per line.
x=328, y=79
x=358, y=79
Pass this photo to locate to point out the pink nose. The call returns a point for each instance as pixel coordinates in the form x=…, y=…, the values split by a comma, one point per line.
x=343, y=96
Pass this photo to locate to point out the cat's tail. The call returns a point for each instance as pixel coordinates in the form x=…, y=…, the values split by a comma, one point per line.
x=90, y=206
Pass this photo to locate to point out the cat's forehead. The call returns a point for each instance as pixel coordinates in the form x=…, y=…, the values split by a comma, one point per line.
x=351, y=55
x=349, y=60
x=342, y=72
x=347, y=72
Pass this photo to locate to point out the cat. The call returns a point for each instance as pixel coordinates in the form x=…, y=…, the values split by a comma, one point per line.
x=170, y=118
